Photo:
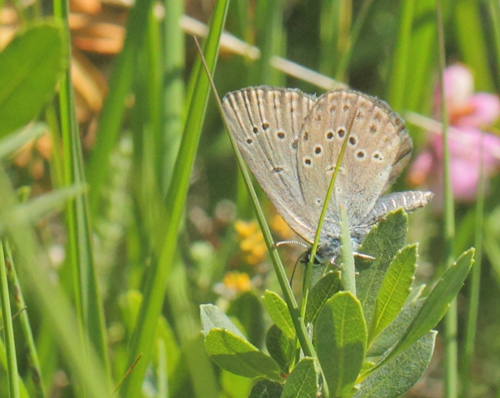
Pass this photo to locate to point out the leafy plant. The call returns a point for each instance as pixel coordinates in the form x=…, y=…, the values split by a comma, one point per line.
x=376, y=344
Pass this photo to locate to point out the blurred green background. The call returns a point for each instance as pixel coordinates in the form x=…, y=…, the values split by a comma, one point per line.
x=165, y=223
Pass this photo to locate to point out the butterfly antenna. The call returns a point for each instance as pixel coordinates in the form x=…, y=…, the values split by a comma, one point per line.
x=290, y=242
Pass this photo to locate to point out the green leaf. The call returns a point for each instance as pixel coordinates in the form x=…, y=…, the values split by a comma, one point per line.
x=278, y=311
x=236, y=355
x=213, y=318
x=399, y=374
x=29, y=69
x=280, y=347
x=340, y=334
x=395, y=331
x=383, y=242
x=247, y=308
x=437, y=303
x=325, y=288
x=266, y=389
x=394, y=290
x=302, y=382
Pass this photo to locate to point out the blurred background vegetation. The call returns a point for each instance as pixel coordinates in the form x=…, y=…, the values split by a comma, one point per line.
x=165, y=223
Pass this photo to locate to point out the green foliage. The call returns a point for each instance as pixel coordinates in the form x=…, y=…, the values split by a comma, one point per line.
x=230, y=350
x=385, y=359
x=401, y=372
x=394, y=290
x=280, y=347
x=247, y=308
x=30, y=67
x=302, y=382
x=276, y=307
x=325, y=288
x=340, y=333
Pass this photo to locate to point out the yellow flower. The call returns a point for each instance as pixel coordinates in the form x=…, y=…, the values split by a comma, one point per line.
x=252, y=242
x=237, y=281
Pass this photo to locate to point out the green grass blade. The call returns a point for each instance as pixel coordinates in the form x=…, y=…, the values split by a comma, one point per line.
x=401, y=56
x=114, y=106
x=8, y=330
x=348, y=274
x=341, y=74
x=335, y=22
x=35, y=368
x=475, y=285
x=450, y=322
x=14, y=141
x=269, y=22
x=494, y=7
x=3, y=362
x=80, y=254
x=421, y=59
x=50, y=298
x=158, y=273
x=173, y=91
x=471, y=41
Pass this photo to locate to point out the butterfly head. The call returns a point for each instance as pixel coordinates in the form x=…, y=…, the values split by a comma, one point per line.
x=329, y=252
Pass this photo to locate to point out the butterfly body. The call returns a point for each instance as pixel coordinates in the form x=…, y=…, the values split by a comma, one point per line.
x=291, y=142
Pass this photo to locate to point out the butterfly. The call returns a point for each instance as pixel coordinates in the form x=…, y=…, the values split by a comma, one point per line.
x=291, y=142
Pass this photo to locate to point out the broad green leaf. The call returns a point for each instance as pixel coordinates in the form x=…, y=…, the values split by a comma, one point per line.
x=280, y=347
x=399, y=374
x=383, y=242
x=394, y=290
x=238, y=385
x=395, y=331
x=278, y=311
x=325, y=288
x=340, y=334
x=266, y=389
x=29, y=69
x=213, y=318
x=437, y=303
x=238, y=356
x=247, y=308
x=302, y=382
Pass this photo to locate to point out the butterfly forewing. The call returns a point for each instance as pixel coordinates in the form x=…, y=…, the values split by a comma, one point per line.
x=266, y=123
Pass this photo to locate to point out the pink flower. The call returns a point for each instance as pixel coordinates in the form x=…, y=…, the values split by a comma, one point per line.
x=468, y=113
